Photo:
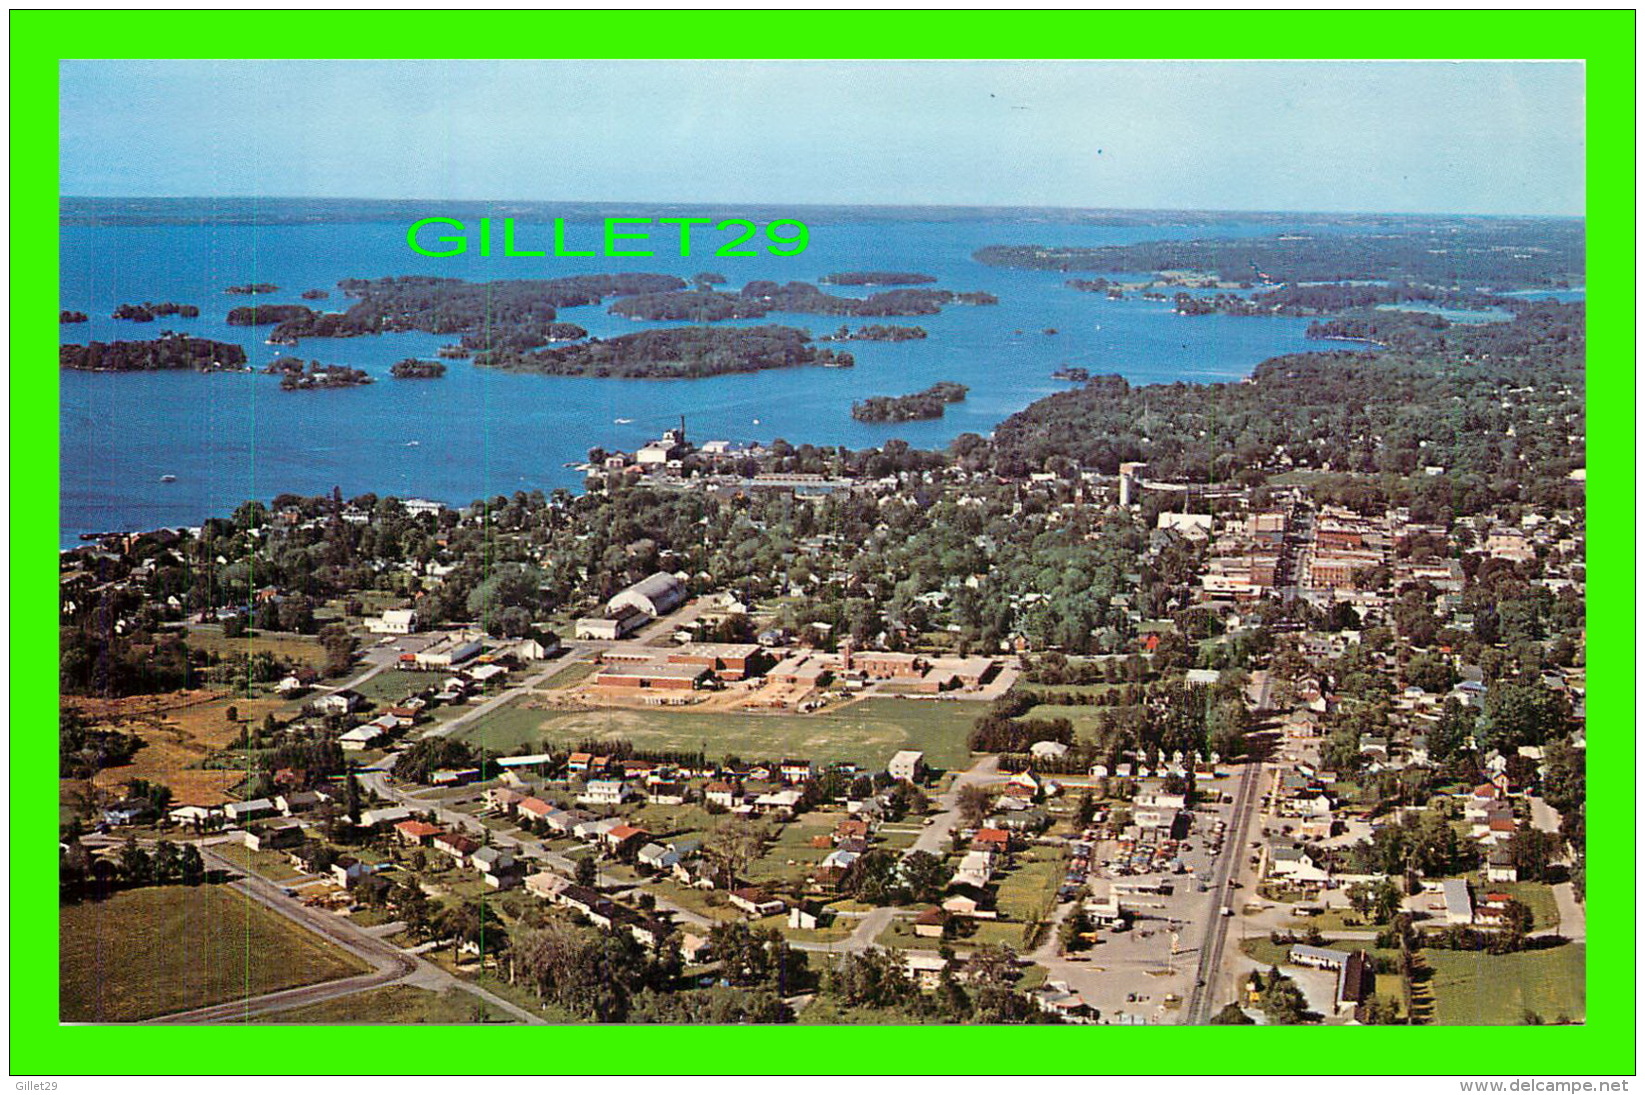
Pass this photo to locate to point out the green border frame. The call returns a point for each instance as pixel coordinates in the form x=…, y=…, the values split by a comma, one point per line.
x=1603, y=39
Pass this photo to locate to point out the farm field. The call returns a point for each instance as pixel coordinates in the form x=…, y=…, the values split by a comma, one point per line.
x=1472, y=988
x=161, y=949
x=866, y=732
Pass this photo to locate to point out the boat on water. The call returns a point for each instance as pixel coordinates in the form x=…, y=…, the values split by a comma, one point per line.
x=168, y=479
x=412, y=444
x=622, y=421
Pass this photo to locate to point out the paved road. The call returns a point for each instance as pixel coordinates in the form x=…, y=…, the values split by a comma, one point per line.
x=1573, y=918
x=986, y=770
x=868, y=929
x=1203, y=996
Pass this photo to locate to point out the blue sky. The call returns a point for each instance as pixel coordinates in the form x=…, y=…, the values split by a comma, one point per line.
x=1394, y=137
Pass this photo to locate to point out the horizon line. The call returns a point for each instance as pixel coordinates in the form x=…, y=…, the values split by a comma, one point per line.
x=957, y=206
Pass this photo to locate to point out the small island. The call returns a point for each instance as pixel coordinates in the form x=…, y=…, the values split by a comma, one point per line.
x=252, y=289
x=293, y=377
x=930, y=403
x=876, y=277
x=875, y=332
x=66, y=316
x=415, y=369
x=259, y=315
x=315, y=294
x=758, y=298
x=1072, y=372
x=145, y=312
x=675, y=353
x=169, y=351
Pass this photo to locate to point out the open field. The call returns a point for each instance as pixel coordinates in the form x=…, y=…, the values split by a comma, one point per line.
x=392, y=1004
x=1472, y=988
x=569, y=674
x=1030, y=887
x=179, y=730
x=161, y=949
x=1084, y=717
x=270, y=864
x=392, y=685
x=289, y=647
x=867, y=732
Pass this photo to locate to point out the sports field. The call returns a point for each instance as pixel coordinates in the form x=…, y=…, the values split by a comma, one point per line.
x=867, y=732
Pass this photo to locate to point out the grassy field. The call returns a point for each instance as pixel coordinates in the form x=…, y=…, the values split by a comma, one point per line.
x=1536, y=896
x=269, y=864
x=399, y=1004
x=297, y=649
x=392, y=685
x=868, y=732
x=161, y=949
x=570, y=674
x=1472, y=988
x=790, y=858
x=1085, y=718
x=179, y=731
x=1029, y=887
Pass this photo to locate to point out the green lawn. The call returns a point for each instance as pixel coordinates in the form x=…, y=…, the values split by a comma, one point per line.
x=867, y=732
x=1026, y=890
x=899, y=935
x=709, y=903
x=1084, y=718
x=570, y=674
x=296, y=649
x=1472, y=988
x=1270, y=953
x=270, y=864
x=393, y=685
x=1536, y=896
x=673, y=822
x=396, y=1004
x=161, y=949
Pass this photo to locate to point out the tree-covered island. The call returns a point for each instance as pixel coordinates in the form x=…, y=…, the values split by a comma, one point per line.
x=759, y=298
x=875, y=332
x=169, y=351
x=294, y=378
x=674, y=353
x=930, y=403
x=876, y=277
x=146, y=312
x=414, y=369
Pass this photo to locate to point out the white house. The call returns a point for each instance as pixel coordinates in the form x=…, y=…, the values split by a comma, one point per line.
x=394, y=621
x=605, y=792
x=908, y=764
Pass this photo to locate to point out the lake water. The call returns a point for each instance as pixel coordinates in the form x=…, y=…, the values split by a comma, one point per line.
x=479, y=432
